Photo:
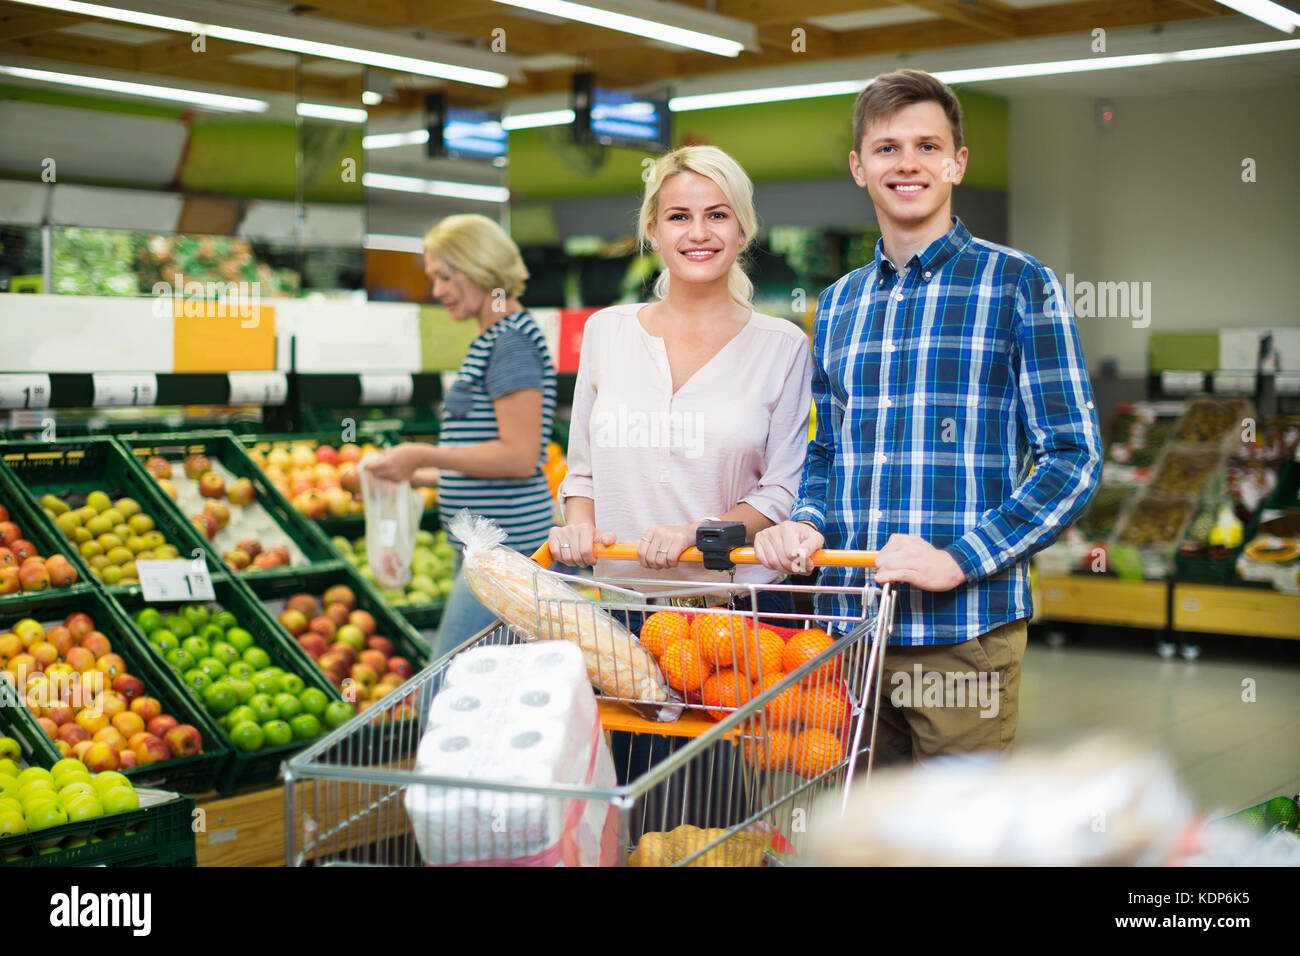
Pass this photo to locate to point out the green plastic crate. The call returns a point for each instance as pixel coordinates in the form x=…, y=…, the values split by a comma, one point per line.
x=244, y=769
x=194, y=774
x=101, y=463
x=48, y=541
x=226, y=448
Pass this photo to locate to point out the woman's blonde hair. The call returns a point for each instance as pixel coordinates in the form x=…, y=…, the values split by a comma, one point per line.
x=477, y=248
x=735, y=185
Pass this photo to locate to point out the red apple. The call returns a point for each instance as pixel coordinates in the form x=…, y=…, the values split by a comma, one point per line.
x=79, y=624
x=8, y=559
x=169, y=489
x=346, y=651
x=128, y=724
x=196, y=466
x=327, y=454
x=49, y=727
x=61, y=638
x=349, y=452
x=305, y=604
x=129, y=686
x=295, y=622
x=401, y=667
x=267, y=559
x=218, y=510
x=338, y=613
x=62, y=747
x=9, y=533
x=242, y=492
x=34, y=577
x=4, y=513
x=381, y=644
x=23, y=549
x=110, y=735
x=364, y=621
x=137, y=738
x=80, y=659
x=364, y=675
x=96, y=643
x=71, y=731
x=340, y=594
x=79, y=749
x=212, y=485
x=111, y=664
x=159, y=725
x=350, y=478
x=60, y=713
x=237, y=559
x=9, y=581
x=159, y=467
x=206, y=524
x=281, y=552
x=151, y=750
x=100, y=757
x=127, y=759
x=323, y=626
x=184, y=740
x=373, y=659
x=62, y=573
x=251, y=546
x=313, y=644
x=146, y=707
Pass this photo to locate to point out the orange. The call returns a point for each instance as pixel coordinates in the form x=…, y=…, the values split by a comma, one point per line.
x=815, y=751
x=784, y=707
x=716, y=635
x=661, y=629
x=683, y=666
x=770, y=753
x=824, y=707
x=762, y=654
x=803, y=647
x=725, y=689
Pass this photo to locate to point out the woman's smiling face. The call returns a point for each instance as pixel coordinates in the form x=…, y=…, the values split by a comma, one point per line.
x=697, y=230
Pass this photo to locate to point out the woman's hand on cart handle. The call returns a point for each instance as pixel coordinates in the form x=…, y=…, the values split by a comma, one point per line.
x=788, y=546
x=575, y=545
x=662, y=545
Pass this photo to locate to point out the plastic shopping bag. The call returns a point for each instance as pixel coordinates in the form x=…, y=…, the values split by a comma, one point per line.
x=393, y=512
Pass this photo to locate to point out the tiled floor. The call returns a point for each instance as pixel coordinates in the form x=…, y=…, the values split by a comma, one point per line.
x=1230, y=753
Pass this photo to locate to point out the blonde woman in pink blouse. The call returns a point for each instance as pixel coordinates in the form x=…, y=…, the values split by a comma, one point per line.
x=691, y=407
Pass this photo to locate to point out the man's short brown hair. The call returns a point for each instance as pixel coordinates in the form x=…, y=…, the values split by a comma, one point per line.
x=890, y=92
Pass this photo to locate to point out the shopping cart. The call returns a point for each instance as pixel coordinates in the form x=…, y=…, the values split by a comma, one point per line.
x=725, y=783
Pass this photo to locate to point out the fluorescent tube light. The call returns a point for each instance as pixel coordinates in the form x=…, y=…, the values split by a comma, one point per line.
x=371, y=98
x=390, y=140
x=436, y=187
x=637, y=26
x=532, y=120
x=217, y=101
x=290, y=44
x=392, y=243
x=341, y=114
x=1265, y=11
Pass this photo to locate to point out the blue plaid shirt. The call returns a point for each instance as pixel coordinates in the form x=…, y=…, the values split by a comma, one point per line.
x=953, y=403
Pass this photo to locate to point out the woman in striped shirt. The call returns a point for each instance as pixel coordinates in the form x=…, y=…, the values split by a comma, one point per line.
x=496, y=418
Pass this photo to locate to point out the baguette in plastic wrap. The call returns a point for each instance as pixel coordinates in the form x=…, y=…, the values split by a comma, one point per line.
x=540, y=607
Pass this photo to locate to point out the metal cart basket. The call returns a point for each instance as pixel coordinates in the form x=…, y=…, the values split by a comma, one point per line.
x=722, y=785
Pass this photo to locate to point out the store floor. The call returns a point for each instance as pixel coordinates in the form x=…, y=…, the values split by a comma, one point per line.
x=1229, y=753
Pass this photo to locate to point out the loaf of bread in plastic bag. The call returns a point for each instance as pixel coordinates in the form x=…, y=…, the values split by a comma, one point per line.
x=542, y=607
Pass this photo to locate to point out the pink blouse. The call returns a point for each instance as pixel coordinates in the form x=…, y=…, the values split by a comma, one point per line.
x=735, y=431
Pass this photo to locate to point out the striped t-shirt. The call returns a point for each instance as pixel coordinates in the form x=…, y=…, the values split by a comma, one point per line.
x=509, y=356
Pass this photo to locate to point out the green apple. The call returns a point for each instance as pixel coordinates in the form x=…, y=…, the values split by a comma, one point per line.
x=119, y=799
x=212, y=667
x=445, y=586
x=343, y=544
x=197, y=647
x=11, y=803
x=148, y=619
x=425, y=539
x=243, y=689
x=107, y=779
x=31, y=786
x=220, y=698
x=43, y=815
x=164, y=640
x=70, y=775
x=180, y=626
x=70, y=791
x=225, y=653
x=338, y=712
x=305, y=727
x=419, y=597
x=196, y=614
x=240, y=670
x=12, y=823
x=225, y=620
x=257, y=658
x=366, y=573
x=351, y=635
x=85, y=807
x=289, y=706
x=34, y=773
x=421, y=582
x=8, y=786
x=239, y=715
x=267, y=683
x=210, y=633
x=247, y=735
x=264, y=707
x=277, y=732
x=239, y=639
x=180, y=659
x=292, y=684
x=197, y=681
x=314, y=701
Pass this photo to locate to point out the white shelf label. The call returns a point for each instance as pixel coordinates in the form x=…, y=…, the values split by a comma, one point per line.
x=24, y=391
x=258, y=388
x=138, y=388
x=175, y=580
x=386, y=389
x=1234, y=383
x=1179, y=382
x=1287, y=383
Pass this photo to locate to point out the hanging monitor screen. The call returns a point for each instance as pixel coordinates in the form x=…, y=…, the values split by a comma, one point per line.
x=618, y=117
x=463, y=132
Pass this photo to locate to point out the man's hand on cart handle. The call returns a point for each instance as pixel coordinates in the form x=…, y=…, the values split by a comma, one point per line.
x=788, y=547
x=907, y=559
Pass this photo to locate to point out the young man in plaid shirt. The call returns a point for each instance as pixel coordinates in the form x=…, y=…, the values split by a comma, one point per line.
x=956, y=432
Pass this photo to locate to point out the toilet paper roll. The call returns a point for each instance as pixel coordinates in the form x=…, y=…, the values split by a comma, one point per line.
x=536, y=700
x=496, y=662
x=449, y=751
x=470, y=705
x=546, y=658
x=538, y=746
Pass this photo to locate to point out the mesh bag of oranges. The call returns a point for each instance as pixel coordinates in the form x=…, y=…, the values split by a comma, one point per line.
x=719, y=661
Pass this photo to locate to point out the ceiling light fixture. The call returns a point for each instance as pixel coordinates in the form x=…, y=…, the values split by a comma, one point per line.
x=218, y=101
x=652, y=29
x=340, y=114
x=436, y=187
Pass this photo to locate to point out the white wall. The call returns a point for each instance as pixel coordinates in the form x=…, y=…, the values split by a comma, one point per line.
x=1158, y=197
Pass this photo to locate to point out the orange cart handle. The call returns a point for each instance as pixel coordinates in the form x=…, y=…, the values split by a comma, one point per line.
x=627, y=552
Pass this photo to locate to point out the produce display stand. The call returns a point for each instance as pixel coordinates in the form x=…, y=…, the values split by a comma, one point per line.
x=35, y=528
x=86, y=464
x=225, y=447
x=242, y=769
x=185, y=774
x=345, y=799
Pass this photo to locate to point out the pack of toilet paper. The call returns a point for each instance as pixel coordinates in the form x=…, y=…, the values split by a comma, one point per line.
x=510, y=717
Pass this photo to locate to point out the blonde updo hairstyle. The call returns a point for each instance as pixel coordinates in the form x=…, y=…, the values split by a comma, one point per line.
x=735, y=185
x=475, y=247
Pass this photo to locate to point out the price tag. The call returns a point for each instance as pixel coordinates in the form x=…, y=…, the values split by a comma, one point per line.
x=175, y=580
x=386, y=389
x=1287, y=383
x=24, y=391
x=258, y=388
x=129, y=389
x=1234, y=383
x=1179, y=382
x=387, y=533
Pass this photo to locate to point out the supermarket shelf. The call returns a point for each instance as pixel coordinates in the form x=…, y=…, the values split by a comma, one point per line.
x=1254, y=612
x=1094, y=599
